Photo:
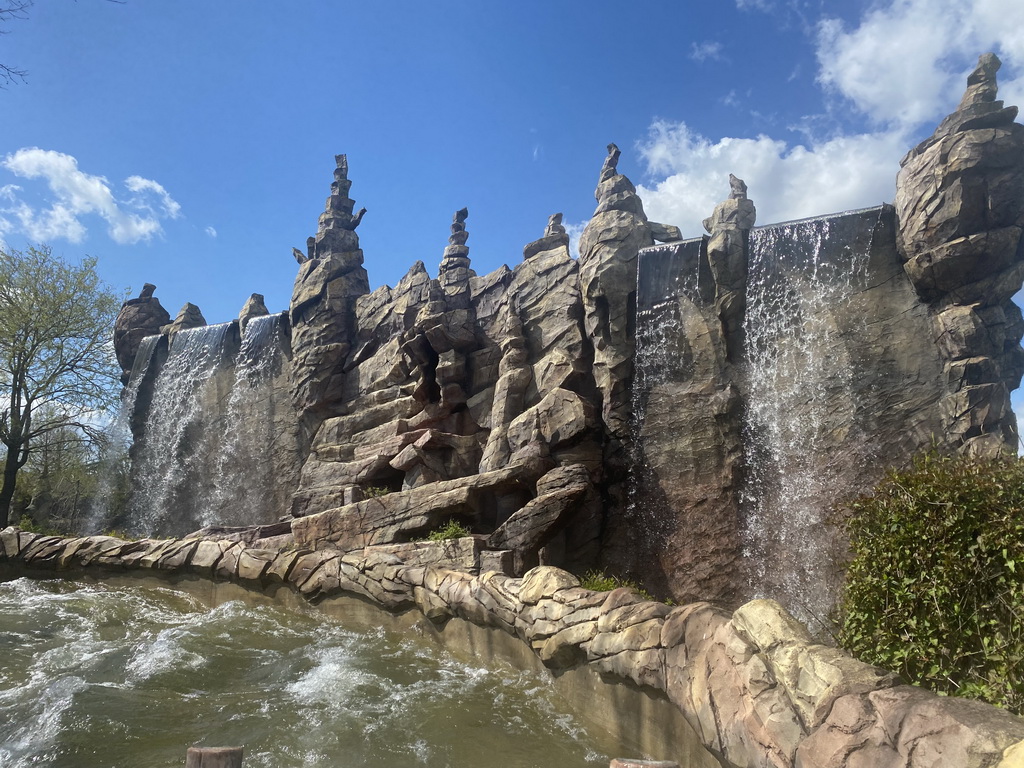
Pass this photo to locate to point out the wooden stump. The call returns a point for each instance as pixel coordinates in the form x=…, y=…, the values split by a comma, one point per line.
x=213, y=757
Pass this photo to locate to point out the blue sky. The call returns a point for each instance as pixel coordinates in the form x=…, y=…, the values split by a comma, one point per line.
x=190, y=144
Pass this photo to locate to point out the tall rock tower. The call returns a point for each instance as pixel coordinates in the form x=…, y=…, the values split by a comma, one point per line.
x=322, y=310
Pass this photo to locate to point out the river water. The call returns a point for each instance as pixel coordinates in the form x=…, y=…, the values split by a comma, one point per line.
x=101, y=676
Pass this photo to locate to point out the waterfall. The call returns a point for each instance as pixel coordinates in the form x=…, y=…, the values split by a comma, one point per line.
x=113, y=452
x=182, y=431
x=246, y=487
x=800, y=407
x=667, y=308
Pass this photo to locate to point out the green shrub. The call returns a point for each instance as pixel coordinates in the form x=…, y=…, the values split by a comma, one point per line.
x=28, y=525
x=935, y=587
x=375, y=491
x=453, y=529
x=599, y=581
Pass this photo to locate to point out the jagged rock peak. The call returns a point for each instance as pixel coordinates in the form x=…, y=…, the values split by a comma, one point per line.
x=611, y=162
x=735, y=213
x=189, y=316
x=554, y=226
x=454, y=272
x=338, y=209
x=254, y=307
x=459, y=234
x=147, y=291
x=981, y=83
x=341, y=171
x=737, y=188
x=555, y=236
x=978, y=109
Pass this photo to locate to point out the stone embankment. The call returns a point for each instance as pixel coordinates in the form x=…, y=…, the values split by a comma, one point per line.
x=757, y=690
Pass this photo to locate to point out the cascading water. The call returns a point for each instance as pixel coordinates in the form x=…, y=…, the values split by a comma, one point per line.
x=182, y=432
x=246, y=487
x=800, y=408
x=117, y=443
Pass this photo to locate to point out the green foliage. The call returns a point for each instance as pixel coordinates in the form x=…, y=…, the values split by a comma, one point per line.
x=375, y=491
x=935, y=587
x=57, y=368
x=599, y=581
x=28, y=525
x=453, y=529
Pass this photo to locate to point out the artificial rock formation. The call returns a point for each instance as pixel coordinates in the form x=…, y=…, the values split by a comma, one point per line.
x=139, y=317
x=322, y=312
x=189, y=316
x=782, y=369
x=960, y=205
x=518, y=402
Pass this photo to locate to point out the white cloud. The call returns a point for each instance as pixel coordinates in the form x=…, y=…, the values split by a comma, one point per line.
x=77, y=194
x=785, y=182
x=903, y=64
x=708, y=50
x=137, y=184
x=575, y=232
x=906, y=61
x=210, y=231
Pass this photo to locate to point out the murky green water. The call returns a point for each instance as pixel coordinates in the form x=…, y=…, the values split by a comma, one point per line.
x=95, y=675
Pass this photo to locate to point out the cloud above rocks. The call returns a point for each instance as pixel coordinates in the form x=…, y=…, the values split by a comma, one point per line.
x=906, y=62
x=903, y=66
x=74, y=196
x=793, y=181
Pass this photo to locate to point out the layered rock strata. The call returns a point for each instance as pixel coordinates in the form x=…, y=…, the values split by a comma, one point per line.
x=322, y=311
x=754, y=687
x=960, y=206
x=507, y=401
x=461, y=395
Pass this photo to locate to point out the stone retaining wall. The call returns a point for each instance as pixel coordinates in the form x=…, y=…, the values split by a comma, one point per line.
x=753, y=685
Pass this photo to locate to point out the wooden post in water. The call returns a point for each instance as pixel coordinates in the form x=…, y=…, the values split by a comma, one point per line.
x=625, y=762
x=213, y=757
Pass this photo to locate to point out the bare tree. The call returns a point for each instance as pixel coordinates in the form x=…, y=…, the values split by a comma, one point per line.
x=11, y=10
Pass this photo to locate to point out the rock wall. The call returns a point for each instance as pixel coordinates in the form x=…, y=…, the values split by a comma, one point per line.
x=782, y=369
x=506, y=402
x=752, y=685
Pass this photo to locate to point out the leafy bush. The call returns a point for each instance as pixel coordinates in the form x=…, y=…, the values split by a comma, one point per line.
x=28, y=525
x=935, y=587
x=453, y=529
x=599, y=581
x=375, y=491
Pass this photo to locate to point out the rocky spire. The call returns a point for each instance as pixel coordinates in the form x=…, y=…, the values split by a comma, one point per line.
x=189, y=316
x=322, y=310
x=978, y=108
x=254, y=307
x=139, y=317
x=454, y=273
x=337, y=224
x=729, y=227
x=960, y=214
x=608, y=259
x=981, y=83
x=555, y=236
